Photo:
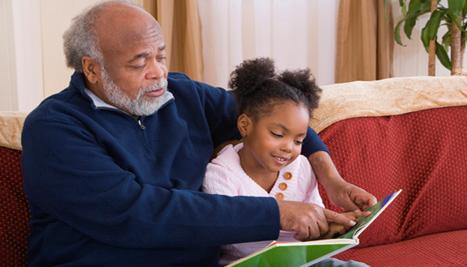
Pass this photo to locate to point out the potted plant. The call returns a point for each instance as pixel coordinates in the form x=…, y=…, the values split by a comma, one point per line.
x=452, y=16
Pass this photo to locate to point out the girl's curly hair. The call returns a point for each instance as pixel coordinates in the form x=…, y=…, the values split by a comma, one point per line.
x=257, y=87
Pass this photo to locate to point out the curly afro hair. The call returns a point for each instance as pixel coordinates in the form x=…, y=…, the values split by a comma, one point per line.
x=257, y=87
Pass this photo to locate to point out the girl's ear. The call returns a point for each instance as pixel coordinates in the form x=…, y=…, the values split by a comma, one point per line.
x=244, y=124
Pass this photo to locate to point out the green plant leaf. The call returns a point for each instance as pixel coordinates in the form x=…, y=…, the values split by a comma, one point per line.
x=416, y=9
x=430, y=31
x=397, y=33
x=455, y=11
x=443, y=56
x=411, y=17
x=446, y=40
x=456, y=7
x=403, y=6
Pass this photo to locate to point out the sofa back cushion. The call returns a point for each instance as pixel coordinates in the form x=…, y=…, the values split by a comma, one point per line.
x=14, y=215
x=424, y=153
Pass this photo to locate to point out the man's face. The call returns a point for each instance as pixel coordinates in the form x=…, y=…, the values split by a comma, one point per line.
x=275, y=139
x=141, y=104
x=134, y=73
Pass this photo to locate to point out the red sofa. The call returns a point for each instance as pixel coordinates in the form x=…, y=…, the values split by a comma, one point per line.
x=14, y=215
x=408, y=133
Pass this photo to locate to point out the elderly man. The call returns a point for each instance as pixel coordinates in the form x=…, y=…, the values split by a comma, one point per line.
x=114, y=163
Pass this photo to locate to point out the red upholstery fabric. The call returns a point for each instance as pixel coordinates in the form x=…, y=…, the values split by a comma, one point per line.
x=14, y=215
x=424, y=153
x=443, y=249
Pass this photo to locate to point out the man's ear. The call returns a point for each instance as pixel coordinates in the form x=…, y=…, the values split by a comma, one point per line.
x=244, y=124
x=91, y=70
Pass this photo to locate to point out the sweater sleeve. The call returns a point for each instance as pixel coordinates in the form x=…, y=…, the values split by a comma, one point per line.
x=312, y=143
x=220, y=109
x=70, y=177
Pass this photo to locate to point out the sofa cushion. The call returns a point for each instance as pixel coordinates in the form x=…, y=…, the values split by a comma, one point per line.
x=443, y=249
x=424, y=153
x=14, y=216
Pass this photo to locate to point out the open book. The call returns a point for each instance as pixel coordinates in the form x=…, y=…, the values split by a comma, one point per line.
x=308, y=253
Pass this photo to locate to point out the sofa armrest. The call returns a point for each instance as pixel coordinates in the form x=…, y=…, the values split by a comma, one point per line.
x=11, y=125
x=387, y=97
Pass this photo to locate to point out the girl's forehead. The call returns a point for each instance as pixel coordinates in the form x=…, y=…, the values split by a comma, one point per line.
x=288, y=114
x=286, y=108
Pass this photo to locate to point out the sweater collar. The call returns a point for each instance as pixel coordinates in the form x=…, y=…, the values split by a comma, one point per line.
x=98, y=103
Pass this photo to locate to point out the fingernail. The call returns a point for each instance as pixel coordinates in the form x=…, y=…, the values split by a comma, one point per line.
x=353, y=223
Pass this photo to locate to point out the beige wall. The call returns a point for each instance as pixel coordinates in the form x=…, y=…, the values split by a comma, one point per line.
x=32, y=64
x=8, y=98
x=56, y=16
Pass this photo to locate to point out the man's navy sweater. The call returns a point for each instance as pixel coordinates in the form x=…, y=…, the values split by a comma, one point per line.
x=106, y=191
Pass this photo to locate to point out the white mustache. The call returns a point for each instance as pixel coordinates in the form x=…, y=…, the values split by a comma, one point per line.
x=158, y=85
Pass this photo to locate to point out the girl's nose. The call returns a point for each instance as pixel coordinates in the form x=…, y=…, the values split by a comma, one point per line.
x=287, y=146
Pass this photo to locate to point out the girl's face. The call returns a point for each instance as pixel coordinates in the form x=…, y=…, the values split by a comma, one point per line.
x=274, y=140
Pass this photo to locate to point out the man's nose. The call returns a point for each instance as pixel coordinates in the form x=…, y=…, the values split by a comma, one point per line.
x=156, y=71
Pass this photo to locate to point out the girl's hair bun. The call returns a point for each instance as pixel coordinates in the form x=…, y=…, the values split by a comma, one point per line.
x=304, y=82
x=248, y=76
x=257, y=87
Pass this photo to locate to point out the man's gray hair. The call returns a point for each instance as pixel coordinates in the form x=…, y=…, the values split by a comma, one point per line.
x=81, y=38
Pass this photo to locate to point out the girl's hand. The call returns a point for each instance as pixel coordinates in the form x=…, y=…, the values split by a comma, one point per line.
x=354, y=215
x=308, y=221
x=336, y=229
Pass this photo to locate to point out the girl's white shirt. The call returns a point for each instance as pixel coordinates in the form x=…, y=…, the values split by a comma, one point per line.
x=225, y=176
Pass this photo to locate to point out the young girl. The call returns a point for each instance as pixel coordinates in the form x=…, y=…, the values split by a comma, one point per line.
x=274, y=114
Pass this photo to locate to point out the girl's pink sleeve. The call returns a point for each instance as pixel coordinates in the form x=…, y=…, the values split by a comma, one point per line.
x=218, y=180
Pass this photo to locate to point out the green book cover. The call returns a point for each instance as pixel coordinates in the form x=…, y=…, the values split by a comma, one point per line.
x=295, y=254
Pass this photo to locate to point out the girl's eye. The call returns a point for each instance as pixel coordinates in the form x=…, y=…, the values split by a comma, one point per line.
x=298, y=142
x=278, y=135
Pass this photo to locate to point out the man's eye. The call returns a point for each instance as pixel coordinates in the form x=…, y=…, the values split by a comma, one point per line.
x=138, y=66
x=161, y=58
x=298, y=142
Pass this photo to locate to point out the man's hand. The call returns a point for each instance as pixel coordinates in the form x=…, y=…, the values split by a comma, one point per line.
x=350, y=197
x=308, y=221
x=345, y=195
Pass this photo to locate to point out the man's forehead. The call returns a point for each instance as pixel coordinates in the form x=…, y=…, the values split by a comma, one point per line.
x=147, y=44
x=134, y=35
x=147, y=33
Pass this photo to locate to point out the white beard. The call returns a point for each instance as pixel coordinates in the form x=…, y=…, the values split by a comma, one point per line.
x=140, y=106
